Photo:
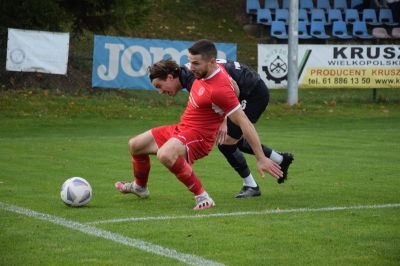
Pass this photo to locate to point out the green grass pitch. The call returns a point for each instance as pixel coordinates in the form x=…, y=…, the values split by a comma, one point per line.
x=340, y=206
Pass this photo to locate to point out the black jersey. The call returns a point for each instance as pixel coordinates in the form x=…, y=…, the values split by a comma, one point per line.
x=186, y=77
x=246, y=78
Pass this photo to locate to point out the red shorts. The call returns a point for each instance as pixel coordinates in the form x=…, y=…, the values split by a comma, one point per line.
x=196, y=144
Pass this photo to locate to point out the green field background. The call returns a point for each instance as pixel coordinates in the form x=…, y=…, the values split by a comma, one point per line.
x=346, y=155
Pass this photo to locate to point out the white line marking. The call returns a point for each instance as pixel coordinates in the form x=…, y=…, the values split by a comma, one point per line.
x=90, y=230
x=245, y=213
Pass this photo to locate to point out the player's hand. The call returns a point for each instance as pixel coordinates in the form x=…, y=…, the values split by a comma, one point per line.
x=270, y=167
x=222, y=133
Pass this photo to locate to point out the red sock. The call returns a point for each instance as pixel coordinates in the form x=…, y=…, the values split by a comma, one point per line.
x=141, y=169
x=184, y=172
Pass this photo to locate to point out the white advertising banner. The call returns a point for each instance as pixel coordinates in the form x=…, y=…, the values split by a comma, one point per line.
x=37, y=51
x=332, y=66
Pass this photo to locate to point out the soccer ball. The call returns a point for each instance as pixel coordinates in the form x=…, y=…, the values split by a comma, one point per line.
x=76, y=192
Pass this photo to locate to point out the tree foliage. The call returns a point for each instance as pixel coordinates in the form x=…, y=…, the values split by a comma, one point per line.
x=97, y=16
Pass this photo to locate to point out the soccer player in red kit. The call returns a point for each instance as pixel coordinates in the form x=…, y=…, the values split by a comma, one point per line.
x=177, y=146
x=253, y=94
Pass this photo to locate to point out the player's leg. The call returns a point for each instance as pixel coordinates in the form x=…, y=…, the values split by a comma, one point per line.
x=245, y=147
x=238, y=162
x=284, y=159
x=140, y=147
x=174, y=155
x=253, y=106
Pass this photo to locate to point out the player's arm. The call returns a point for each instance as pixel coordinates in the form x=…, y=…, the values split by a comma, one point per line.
x=222, y=133
x=236, y=87
x=263, y=163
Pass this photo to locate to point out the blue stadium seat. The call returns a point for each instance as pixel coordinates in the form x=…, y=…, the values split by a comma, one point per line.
x=340, y=4
x=360, y=30
x=334, y=15
x=339, y=30
x=271, y=5
x=252, y=7
x=386, y=17
x=302, y=29
x=354, y=3
x=351, y=16
x=318, y=15
x=369, y=16
x=318, y=30
x=282, y=15
x=264, y=17
x=278, y=30
x=303, y=16
x=307, y=5
x=285, y=4
x=324, y=5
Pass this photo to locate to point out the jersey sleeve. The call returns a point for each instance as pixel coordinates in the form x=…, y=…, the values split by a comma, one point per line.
x=225, y=98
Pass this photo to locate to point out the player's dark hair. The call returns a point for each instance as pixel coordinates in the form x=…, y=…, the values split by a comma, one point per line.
x=162, y=68
x=205, y=48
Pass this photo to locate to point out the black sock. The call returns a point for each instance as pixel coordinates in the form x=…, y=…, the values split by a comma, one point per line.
x=245, y=147
x=236, y=159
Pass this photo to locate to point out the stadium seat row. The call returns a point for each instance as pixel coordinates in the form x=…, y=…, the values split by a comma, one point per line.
x=252, y=6
x=385, y=17
x=339, y=30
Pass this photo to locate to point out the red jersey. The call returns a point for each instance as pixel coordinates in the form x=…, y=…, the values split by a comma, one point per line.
x=210, y=100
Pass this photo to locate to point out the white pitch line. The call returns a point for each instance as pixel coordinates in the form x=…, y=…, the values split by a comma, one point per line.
x=90, y=230
x=133, y=219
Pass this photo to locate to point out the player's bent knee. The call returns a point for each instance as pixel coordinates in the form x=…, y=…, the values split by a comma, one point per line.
x=132, y=145
x=136, y=145
x=168, y=154
x=166, y=158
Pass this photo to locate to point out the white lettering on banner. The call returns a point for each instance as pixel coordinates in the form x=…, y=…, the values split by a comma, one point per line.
x=158, y=53
x=127, y=57
x=113, y=65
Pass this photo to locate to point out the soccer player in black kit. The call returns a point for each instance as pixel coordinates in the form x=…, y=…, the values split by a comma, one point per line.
x=170, y=78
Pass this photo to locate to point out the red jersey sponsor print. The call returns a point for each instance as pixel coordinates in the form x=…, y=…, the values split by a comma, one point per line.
x=210, y=100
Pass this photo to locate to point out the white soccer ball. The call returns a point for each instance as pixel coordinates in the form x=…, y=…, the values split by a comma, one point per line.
x=76, y=192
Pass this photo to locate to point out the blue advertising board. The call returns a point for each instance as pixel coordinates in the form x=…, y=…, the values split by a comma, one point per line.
x=121, y=62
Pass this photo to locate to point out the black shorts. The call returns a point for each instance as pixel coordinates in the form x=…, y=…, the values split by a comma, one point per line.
x=253, y=106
